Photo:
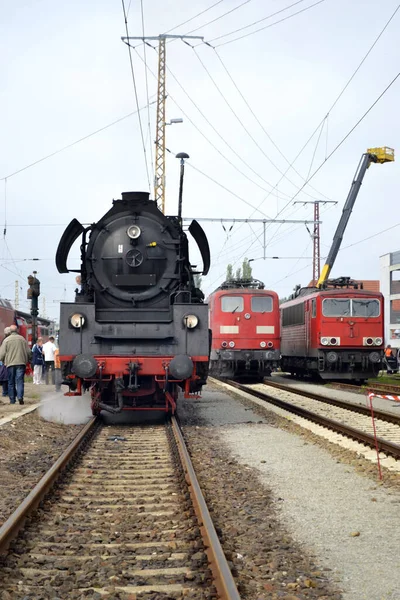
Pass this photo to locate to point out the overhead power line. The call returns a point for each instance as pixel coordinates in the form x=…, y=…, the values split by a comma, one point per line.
x=215, y=130
x=220, y=17
x=333, y=105
x=136, y=94
x=147, y=93
x=246, y=130
x=271, y=25
x=351, y=131
x=78, y=141
x=256, y=22
x=195, y=16
x=261, y=125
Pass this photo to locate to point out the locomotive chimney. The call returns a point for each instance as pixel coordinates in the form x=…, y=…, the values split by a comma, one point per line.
x=135, y=196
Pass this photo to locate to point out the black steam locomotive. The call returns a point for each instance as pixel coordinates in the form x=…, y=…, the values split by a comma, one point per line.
x=138, y=329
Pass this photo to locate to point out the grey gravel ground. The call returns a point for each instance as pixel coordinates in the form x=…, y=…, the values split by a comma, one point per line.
x=350, y=524
x=344, y=395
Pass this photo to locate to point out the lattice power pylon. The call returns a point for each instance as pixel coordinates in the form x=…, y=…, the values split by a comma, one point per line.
x=159, y=173
x=316, y=237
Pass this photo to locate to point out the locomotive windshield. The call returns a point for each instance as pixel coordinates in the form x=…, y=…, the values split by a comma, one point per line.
x=343, y=307
x=232, y=304
x=261, y=304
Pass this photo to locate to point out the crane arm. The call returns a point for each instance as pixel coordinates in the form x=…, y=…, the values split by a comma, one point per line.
x=376, y=155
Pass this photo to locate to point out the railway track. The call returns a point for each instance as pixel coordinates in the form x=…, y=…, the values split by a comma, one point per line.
x=351, y=420
x=382, y=389
x=126, y=517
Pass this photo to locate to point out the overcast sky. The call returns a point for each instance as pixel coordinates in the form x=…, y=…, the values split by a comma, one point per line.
x=65, y=73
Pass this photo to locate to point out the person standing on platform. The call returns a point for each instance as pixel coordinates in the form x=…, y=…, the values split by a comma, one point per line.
x=48, y=350
x=15, y=354
x=38, y=361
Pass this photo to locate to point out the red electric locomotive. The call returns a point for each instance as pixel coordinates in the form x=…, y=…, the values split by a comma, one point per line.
x=336, y=333
x=244, y=319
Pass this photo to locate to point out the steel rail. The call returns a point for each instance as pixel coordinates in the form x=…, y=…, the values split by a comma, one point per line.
x=356, y=434
x=363, y=410
x=383, y=389
x=9, y=530
x=223, y=578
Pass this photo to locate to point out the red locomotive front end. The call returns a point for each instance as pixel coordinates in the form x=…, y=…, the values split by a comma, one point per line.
x=244, y=319
x=336, y=333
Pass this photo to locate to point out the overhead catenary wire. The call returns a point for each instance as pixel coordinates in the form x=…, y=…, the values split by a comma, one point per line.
x=326, y=117
x=271, y=25
x=195, y=16
x=336, y=148
x=338, y=97
x=147, y=92
x=78, y=141
x=261, y=124
x=246, y=130
x=220, y=17
x=256, y=22
x=136, y=94
x=217, y=133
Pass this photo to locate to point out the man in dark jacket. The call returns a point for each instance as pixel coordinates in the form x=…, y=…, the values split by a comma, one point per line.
x=14, y=352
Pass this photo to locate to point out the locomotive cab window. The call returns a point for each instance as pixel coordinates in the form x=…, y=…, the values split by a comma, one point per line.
x=336, y=307
x=261, y=304
x=365, y=308
x=313, y=308
x=341, y=307
x=232, y=304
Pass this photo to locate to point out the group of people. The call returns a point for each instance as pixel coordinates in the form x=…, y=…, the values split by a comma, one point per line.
x=45, y=362
x=15, y=354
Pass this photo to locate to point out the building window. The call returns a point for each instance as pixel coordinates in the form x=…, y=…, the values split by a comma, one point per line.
x=232, y=304
x=261, y=304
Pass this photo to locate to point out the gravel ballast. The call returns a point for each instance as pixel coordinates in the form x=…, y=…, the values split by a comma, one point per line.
x=329, y=514
x=28, y=447
x=350, y=524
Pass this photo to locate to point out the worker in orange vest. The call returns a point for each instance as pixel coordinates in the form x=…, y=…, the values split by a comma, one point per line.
x=388, y=359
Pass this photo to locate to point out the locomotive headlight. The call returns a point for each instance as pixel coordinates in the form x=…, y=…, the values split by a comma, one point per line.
x=378, y=341
x=190, y=321
x=324, y=341
x=77, y=320
x=263, y=344
x=134, y=232
x=231, y=344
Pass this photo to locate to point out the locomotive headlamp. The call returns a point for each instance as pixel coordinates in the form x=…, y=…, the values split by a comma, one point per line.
x=77, y=320
x=190, y=321
x=378, y=341
x=134, y=232
x=324, y=341
x=263, y=344
x=231, y=344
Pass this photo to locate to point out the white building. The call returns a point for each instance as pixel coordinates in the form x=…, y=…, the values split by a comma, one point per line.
x=390, y=288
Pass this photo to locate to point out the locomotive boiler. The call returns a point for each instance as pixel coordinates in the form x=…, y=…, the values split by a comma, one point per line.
x=138, y=329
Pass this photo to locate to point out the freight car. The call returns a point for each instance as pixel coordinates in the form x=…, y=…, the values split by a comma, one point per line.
x=138, y=329
x=244, y=320
x=335, y=333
